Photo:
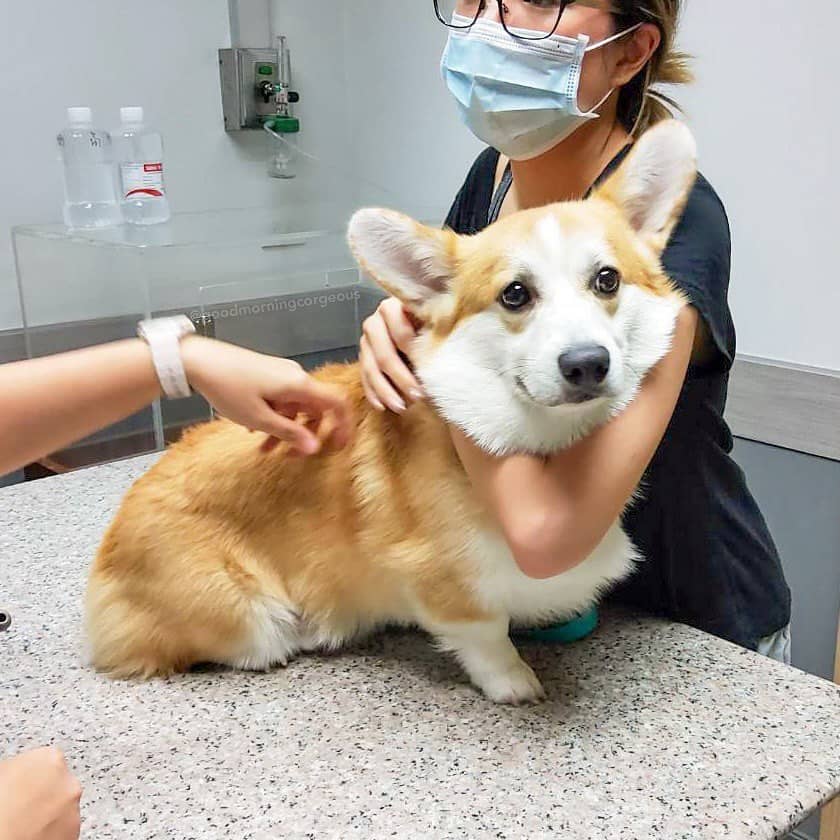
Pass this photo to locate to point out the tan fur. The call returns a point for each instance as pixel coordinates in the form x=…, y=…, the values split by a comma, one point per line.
x=338, y=537
x=348, y=540
x=481, y=272
x=383, y=531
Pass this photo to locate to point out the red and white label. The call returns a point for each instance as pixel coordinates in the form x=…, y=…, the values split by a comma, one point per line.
x=142, y=180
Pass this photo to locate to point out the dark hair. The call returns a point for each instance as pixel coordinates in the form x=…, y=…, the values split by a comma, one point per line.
x=640, y=103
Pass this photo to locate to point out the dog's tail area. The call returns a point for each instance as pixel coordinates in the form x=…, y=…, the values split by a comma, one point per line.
x=126, y=639
x=146, y=619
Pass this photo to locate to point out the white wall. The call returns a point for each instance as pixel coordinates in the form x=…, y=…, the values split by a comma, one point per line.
x=376, y=115
x=158, y=53
x=764, y=111
x=408, y=134
x=761, y=108
x=319, y=74
x=250, y=23
x=374, y=108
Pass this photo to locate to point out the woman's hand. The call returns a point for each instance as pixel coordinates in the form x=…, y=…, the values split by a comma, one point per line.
x=267, y=394
x=386, y=378
x=39, y=797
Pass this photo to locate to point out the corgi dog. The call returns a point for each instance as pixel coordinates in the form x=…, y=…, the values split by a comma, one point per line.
x=534, y=332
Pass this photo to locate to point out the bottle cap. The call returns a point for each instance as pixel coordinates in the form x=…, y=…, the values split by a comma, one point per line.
x=77, y=116
x=131, y=114
x=284, y=125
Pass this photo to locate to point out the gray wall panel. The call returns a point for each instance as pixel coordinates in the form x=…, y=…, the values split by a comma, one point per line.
x=800, y=498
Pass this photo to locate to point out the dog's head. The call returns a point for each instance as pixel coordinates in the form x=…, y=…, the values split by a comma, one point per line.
x=543, y=325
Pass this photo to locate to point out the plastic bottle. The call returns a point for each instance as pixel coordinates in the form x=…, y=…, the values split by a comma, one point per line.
x=140, y=157
x=282, y=163
x=90, y=192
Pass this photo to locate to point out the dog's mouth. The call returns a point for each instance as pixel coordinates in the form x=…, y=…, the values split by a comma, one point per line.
x=576, y=397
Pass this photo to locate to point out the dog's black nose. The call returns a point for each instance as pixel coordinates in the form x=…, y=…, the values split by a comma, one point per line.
x=586, y=366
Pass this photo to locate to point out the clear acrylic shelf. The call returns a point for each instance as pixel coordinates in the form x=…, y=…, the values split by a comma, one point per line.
x=280, y=281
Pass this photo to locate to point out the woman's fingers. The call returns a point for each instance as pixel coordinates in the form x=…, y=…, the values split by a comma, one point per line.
x=316, y=399
x=385, y=356
x=370, y=394
x=282, y=429
x=383, y=392
x=312, y=397
x=400, y=325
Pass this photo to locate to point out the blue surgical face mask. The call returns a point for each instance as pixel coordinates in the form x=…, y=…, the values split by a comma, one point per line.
x=518, y=96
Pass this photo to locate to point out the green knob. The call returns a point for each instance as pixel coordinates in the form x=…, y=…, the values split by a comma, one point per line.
x=284, y=125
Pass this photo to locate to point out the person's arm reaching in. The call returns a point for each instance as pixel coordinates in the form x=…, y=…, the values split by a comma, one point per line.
x=47, y=403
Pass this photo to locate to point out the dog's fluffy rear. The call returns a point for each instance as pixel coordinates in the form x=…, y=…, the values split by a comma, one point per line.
x=222, y=553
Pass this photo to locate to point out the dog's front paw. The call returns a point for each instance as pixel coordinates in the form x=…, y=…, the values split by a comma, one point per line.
x=516, y=686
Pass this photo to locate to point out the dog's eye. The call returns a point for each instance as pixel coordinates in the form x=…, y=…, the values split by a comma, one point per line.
x=606, y=281
x=515, y=296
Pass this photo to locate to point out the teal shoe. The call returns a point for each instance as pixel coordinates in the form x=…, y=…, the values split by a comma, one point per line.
x=563, y=634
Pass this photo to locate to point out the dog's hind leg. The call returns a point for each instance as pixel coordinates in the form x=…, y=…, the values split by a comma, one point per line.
x=488, y=656
x=272, y=638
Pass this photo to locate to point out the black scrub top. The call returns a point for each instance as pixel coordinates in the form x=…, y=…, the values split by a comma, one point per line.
x=710, y=560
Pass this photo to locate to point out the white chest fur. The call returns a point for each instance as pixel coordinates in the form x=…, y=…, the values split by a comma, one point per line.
x=501, y=586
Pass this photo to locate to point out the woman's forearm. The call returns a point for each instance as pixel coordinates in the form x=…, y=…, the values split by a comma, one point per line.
x=555, y=511
x=46, y=404
x=529, y=507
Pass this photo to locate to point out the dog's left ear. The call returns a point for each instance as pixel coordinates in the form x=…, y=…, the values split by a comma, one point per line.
x=653, y=184
x=413, y=262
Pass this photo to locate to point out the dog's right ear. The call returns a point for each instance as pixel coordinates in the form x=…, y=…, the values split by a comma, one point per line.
x=412, y=262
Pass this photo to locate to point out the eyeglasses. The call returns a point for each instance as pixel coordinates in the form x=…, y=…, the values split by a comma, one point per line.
x=535, y=16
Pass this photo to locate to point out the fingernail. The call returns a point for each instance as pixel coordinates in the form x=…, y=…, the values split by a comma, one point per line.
x=398, y=405
x=416, y=394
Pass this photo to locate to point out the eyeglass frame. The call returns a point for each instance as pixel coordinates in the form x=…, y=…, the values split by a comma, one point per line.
x=482, y=6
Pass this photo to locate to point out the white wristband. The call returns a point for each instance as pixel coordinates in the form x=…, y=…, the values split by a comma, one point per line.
x=163, y=335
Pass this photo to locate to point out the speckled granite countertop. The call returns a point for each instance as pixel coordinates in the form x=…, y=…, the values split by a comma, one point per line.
x=652, y=730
